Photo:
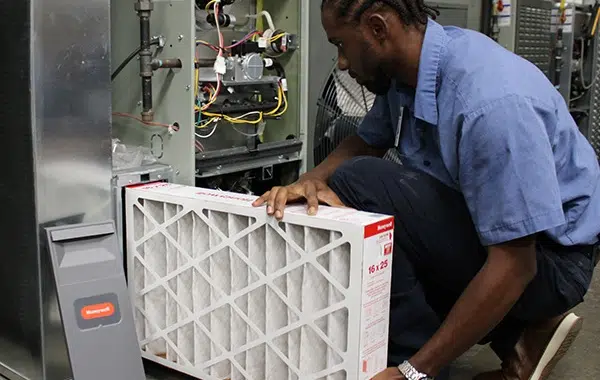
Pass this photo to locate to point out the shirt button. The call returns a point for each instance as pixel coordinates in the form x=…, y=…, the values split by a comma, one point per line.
x=427, y=163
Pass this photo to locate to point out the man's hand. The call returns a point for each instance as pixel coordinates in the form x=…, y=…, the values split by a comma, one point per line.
x=314, y=190
x=391, y=373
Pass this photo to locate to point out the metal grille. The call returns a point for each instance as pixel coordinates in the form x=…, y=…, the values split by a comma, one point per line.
x=594, y=129
x=533, y=34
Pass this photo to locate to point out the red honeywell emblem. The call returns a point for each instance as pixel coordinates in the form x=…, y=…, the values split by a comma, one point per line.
x=379, y=227
x=101, y=310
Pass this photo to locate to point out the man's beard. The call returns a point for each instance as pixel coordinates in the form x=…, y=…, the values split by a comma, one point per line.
x=379, y=82
x=378, y=86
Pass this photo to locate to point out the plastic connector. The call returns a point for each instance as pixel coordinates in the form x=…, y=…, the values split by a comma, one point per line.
x=220, y=66
x=262, y=43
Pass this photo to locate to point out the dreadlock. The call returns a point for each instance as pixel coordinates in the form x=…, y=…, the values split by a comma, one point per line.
x=412, y=12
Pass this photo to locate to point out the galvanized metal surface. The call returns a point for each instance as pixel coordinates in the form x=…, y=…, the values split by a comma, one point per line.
x=56, y=97
x=173, y=95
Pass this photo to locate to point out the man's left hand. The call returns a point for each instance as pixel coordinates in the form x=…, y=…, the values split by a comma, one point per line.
x=391, y=373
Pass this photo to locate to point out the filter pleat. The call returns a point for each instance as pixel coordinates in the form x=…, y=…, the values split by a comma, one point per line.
x=170, y=210
x=256, y=300
x=276, y=313
x=239, y=280
x=185, y=282
x=294, y=287
x=201, y=291
x=220, y=275
x=313, y=356
x=154, y=255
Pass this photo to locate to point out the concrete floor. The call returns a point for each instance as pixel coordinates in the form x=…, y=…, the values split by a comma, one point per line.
x=582, y=362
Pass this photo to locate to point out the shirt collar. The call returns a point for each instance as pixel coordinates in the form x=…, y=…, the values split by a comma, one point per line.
x=434, y=42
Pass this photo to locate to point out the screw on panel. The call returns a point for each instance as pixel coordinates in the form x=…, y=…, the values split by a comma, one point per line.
x=180, y=37
x=188, y=87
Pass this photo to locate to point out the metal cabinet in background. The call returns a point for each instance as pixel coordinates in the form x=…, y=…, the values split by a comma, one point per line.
x=525, y=30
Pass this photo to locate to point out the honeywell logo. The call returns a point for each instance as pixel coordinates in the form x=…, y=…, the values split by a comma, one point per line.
x=379, y=227
x=98, y=311
x=385, y=227
x=102, y=310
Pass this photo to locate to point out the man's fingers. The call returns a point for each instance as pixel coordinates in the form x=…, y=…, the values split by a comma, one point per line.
x=274, y=193
x=261, y=200
x=310, y=193
x=280, y=201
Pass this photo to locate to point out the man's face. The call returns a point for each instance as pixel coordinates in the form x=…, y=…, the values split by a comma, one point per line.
x=363, y=59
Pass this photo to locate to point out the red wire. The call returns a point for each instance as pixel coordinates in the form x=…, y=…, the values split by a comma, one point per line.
x=149, y=123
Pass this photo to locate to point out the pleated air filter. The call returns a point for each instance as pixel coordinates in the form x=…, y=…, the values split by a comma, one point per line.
x=222, y=291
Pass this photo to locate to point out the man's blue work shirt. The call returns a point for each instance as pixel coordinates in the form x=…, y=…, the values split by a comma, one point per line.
x=490, y=124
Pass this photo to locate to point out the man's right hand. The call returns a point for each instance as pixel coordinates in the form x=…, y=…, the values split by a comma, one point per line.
x=312, y=189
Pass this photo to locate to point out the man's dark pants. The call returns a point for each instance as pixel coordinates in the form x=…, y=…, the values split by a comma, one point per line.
x=437, y=253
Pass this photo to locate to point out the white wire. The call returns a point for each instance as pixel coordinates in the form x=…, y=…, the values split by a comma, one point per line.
x=246, y=115
x=209, y=135
x=221, y=42
x=267, y=16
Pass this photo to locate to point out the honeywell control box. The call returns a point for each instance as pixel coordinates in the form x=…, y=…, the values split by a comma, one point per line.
x=221, y=290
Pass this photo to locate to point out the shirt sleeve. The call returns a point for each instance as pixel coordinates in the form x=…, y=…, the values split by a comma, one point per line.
x=376, y=127
x=507, y=172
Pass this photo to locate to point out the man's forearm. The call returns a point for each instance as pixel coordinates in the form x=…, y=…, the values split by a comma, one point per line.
x=352, y=146
x=486, y=301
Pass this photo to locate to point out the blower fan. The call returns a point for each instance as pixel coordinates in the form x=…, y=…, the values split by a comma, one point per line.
x=342, y=106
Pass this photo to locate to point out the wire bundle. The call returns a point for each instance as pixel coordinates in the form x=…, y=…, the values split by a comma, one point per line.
x=200, y=108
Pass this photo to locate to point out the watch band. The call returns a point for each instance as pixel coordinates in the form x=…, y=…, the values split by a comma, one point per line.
x=411, y=373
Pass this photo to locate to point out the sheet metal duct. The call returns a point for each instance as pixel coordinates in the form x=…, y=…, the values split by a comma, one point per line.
x=55, y=113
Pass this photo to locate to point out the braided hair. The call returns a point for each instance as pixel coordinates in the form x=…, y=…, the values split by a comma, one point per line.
x=411, y=12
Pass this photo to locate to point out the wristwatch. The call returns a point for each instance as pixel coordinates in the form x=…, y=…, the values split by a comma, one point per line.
x=411, y=373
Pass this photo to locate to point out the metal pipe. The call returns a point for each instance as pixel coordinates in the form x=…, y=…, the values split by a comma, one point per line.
x=169, y=63
x=558, y=61
x=486, y=17
x=204, y=62
x=144, y=9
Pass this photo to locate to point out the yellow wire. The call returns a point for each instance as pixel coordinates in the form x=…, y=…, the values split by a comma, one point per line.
x=279, y=101
x=275, y=38
x=197, y=81
x=285, y=107
x=259, y=20
x=209, y=122
x=235, y=120
x=595, y=23
x=211, y=2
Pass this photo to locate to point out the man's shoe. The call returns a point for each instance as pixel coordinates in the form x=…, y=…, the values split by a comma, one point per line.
x=538, y=350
